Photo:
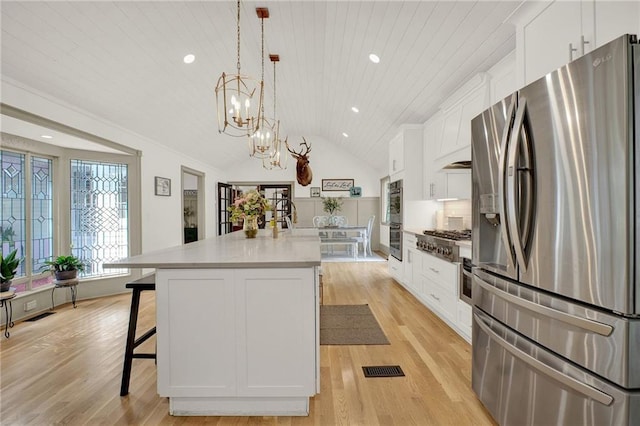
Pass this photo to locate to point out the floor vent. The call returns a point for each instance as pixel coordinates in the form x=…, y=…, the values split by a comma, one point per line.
x=383, y=371
x=39, y=317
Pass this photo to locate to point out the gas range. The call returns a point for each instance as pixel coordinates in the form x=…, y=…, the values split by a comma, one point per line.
x=442, y=244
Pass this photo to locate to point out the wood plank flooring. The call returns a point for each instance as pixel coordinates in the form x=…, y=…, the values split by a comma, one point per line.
x=66, y=368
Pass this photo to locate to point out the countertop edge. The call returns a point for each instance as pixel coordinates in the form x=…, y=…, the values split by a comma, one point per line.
x=226, y=265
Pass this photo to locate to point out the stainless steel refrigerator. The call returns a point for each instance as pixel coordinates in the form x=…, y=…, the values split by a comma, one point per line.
x=556, y=209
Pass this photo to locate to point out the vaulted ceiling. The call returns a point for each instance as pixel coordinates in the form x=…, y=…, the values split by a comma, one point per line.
x=122, y=61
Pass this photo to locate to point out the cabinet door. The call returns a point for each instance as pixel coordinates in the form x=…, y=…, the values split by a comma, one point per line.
x=548, y=37
x=196, y=302
x=450, y=129
x=275, y=316
x=396, y=155
x=395, y=269
x=431, y=144
x=615, y=18
x=408, y=258
x=459, y=184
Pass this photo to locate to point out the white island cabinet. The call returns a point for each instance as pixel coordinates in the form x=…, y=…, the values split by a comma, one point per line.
x=237, y=324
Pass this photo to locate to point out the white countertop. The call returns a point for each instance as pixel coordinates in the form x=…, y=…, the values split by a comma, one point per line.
x=464, y=243
x=297, y=249
x=413, y=231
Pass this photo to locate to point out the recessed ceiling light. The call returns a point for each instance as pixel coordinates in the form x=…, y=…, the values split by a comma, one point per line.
x=345, y=135
x=189, y=58
x=46, y=137
x=374, y=58
x=355, y=109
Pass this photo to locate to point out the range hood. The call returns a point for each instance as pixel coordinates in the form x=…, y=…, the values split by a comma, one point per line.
x=458, y=165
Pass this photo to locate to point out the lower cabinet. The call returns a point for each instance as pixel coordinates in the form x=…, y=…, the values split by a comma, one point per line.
x=435, y=282
x=237, y=333
x=396, y=270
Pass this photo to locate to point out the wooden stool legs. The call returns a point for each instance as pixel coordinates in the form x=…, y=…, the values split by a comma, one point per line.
x=132, y=342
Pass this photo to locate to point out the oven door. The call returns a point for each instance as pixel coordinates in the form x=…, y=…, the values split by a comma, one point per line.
x=395, y=240
x=395, y=205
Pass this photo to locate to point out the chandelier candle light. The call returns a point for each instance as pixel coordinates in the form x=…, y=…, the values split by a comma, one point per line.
x=237, y=115
x=275, y=158
x=262, y=139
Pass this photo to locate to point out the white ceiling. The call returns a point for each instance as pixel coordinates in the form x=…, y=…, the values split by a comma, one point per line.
x=122, y=61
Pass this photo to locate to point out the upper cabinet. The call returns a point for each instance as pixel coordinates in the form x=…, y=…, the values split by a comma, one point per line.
x=550, y=35
x=454, y=143
x=405, y=155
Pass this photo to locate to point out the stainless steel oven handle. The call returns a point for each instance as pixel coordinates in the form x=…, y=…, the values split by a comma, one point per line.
x=583, y=323
x=578, y=386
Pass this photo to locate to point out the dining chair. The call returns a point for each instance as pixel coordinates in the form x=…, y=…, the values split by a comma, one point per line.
x=366, y=238
x=289, y=222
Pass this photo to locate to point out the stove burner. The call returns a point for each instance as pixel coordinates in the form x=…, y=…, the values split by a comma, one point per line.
x=442, y=244
x=449, y=235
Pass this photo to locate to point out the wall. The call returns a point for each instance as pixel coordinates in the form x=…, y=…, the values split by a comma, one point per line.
x=327, y=160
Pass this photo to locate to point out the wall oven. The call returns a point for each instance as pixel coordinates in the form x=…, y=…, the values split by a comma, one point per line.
x=395, y=219
x=395, y=240
x=395, y=202
x=466, y=278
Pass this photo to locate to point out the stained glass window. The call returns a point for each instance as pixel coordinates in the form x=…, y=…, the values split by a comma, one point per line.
x=13, y=224
x=99, y=215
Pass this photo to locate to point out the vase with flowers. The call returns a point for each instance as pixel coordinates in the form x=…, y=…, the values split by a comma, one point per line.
x=249, y=207
x=331, y=205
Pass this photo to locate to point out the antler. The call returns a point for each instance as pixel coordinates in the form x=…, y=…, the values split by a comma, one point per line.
x=299, y=154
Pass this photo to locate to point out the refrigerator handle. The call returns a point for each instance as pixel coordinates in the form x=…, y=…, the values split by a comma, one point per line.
x=542, y=368
x=583, y=323
x=514, y=203
x=504, y=146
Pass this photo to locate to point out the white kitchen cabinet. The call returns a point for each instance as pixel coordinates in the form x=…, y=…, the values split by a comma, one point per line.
x=453, y=185
x=431, y=136
x=396, y=269
x=257, y=335
x=551, y=35
x=464, y=320
x=396, y=154
x=458, y=111
x=412, y=262
x=405, y=155
x=441, y=279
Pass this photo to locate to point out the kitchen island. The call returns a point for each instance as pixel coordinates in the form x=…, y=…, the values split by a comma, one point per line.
x=237, y=323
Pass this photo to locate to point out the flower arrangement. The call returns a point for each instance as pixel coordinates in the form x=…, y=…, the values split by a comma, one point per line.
x=331, y=205
x=251, y=204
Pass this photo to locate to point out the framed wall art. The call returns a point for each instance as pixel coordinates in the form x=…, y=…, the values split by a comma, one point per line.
x=337, y=184
x=163, y=186
x=315, y=191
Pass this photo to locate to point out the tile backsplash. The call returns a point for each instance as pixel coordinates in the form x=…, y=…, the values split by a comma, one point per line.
x=454, y=215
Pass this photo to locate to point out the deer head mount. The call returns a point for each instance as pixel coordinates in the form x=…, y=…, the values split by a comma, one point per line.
x=303, y=170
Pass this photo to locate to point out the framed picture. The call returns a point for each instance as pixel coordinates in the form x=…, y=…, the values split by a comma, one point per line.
x=337, y=184
x=315, y=191
x=355, y=191
x=163, y=186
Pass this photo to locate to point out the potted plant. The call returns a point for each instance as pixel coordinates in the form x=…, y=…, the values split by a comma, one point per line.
x=8, y=269
x=331, y=205
x=65, y=267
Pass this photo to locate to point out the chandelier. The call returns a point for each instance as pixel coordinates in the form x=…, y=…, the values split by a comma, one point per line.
x=275, y=158
x=238, y=115
x=261, y=141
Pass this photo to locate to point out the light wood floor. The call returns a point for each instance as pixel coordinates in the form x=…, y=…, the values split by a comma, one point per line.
x=66, y=368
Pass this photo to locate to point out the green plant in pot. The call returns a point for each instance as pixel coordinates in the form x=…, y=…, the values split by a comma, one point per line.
x=65, y=267
x=8, y=269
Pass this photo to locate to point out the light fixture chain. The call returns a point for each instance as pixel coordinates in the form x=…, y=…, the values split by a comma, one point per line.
x=262, y=52
x=274, y=91
x=238, y=29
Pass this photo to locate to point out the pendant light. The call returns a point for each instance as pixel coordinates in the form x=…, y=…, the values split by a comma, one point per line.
x=238, y=110
x=261, y=140
x=275, y=159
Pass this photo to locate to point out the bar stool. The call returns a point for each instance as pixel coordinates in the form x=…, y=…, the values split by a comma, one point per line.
x=147, y=282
